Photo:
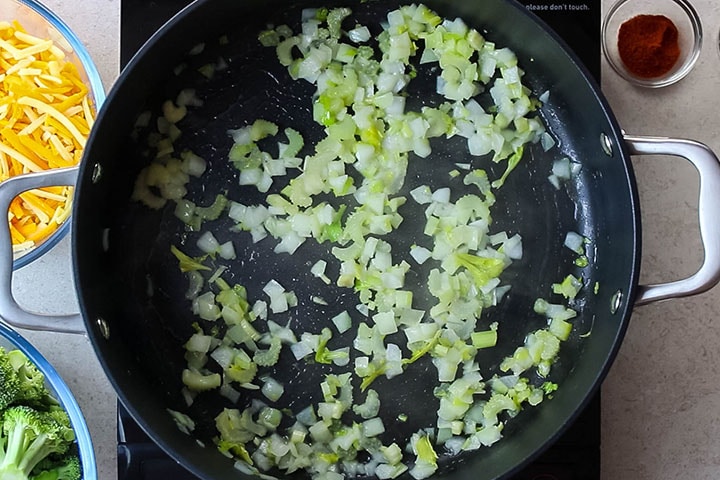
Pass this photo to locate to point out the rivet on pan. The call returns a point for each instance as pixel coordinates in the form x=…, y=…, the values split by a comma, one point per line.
x=616, y=302
x=106, y=239
x=104, y=328
x=606, y=144
x=97, y=173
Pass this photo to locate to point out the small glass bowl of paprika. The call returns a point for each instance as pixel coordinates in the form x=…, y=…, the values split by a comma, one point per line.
x=652, y=43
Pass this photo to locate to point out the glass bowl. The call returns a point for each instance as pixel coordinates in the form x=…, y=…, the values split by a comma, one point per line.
x=11, y=340
x=41, y=22
x=680, y=12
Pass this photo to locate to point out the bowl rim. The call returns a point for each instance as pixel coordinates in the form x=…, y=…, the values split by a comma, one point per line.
x=64, y=395
x=98, y=92
x=678, y=75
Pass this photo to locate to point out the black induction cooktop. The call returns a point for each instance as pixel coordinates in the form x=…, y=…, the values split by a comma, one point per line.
x=576, y=455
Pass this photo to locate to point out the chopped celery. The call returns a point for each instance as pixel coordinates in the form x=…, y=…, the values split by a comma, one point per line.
x=236, y=450
x=323, y=354
x=269, y=357
x=560, y=328
x=295, y=143
x=569, y=288
x=242, y=369
x=482, y=269
x=425, y=456
x=200, y=382
x=484, y=339
x=187, y=263
x=213, y=211
x=511, y=164
x=582, y=261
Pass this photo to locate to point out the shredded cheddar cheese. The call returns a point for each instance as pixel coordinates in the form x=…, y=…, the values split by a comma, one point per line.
x=45, y=117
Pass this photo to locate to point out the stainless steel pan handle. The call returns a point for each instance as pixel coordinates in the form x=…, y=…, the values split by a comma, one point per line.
x=708, y=168
x=10, y=311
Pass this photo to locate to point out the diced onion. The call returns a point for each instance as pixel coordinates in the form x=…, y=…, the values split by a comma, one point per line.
x=227, y=250
x=342, y=321
x=208, y=243
x=575, y=242
x=359, y=34
x=420, y=254
x=272, y=389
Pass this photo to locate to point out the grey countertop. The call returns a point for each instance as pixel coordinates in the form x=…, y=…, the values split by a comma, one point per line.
x=661, y=399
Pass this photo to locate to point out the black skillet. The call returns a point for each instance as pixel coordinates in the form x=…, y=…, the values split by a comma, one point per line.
x=132, y=294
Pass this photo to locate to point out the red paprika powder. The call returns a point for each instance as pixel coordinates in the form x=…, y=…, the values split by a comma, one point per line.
x=648, y=45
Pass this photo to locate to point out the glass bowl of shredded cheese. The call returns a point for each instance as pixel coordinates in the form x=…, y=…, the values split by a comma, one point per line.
x=50, y=91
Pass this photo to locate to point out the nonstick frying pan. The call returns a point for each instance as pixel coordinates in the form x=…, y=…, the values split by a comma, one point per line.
x=132, y=294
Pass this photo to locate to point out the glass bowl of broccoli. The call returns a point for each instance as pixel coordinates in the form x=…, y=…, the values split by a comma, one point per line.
x=43, y=434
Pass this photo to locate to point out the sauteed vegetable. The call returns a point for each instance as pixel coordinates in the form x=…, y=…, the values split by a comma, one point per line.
x=417, y=302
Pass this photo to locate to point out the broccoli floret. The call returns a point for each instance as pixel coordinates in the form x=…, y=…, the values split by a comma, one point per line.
x=29, y=380
x=9, y=381
x=29, y=436
x=67, y=468
x=59, y=415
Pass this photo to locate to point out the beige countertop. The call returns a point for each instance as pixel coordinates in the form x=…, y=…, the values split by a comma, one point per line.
x=661, y=400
